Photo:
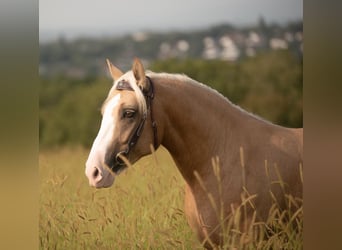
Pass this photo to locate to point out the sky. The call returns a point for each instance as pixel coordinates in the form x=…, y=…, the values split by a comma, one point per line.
x=115, y=17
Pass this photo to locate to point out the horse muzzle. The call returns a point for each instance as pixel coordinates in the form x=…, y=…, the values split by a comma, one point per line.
x=98, y=177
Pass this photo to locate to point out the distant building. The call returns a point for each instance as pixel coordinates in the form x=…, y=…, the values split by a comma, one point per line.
x=140, y=36
x=230, y=51
x=277, y=43
x=183, y=46
x=164, y=50
x=167, y=50
x=253, y=39
x=211, y=51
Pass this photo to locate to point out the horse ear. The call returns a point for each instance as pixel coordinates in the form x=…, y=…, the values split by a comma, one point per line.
x=139, y=74
x=114, y=71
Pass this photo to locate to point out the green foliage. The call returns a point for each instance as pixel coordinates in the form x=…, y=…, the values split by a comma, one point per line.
x=275, y=88
x=269, y=85
x=70, y=110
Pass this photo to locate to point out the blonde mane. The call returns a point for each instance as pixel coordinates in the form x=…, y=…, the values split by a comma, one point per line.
x=186, y=79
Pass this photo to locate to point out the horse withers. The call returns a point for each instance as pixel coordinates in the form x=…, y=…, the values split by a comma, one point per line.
x=196, y=125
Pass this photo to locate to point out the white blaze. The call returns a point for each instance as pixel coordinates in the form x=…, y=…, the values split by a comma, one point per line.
x=105, y=135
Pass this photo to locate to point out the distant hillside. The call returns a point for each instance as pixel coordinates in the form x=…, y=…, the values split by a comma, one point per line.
x=86, y=56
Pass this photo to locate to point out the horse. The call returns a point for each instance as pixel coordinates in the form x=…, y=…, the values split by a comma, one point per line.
x=197, y=125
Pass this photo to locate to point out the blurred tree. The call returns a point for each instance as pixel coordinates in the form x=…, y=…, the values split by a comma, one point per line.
x=70, y=112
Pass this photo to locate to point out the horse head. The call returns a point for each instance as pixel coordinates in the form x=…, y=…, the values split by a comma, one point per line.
x=125, y=133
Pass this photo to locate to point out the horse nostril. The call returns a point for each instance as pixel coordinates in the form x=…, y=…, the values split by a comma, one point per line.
x=96, y=173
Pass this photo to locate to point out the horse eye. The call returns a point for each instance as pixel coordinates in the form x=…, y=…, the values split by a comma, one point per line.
x=129, y=113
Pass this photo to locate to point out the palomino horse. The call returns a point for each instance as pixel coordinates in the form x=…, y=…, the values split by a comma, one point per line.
x=196, y=125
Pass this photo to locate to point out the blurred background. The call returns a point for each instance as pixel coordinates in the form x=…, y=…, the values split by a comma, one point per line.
x=250, y=51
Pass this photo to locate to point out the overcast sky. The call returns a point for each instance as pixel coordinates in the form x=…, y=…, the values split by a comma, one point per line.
x=115, y=17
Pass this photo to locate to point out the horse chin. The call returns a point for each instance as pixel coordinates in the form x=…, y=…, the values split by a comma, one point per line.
x=122, y=168
x=106, y=182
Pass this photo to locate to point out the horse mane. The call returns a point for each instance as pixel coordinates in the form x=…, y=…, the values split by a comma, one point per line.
x=187, y=80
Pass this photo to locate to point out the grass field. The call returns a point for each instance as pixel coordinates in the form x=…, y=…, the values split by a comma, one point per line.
x=142, y=210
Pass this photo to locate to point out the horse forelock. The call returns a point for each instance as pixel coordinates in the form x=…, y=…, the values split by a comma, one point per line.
x=129, y=77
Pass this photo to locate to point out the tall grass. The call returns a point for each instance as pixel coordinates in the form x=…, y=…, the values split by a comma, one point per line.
x=144, y=209
x=283, y=228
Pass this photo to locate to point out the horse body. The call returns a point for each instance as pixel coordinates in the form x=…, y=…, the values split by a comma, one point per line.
x=201, y=125
x=196, y=125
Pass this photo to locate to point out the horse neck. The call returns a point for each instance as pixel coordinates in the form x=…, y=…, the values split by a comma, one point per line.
x=194, y=121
